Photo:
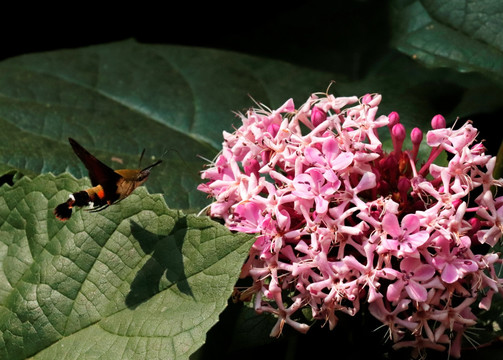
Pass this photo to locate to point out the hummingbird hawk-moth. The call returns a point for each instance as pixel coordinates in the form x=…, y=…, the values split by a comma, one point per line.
x=108, y=186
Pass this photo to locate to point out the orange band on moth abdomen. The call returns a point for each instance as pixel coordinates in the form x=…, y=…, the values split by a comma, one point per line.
x=100, y=192
x=96, y=193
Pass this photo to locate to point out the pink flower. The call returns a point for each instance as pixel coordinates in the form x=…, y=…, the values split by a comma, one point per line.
x=414, y=274
x=492, y=212
x=330, y=157
x=248, y=217
x=341, y=221
x=405, y=239
x=313, y=185
x=318, y=116
x=397, y=326
x=452, y=263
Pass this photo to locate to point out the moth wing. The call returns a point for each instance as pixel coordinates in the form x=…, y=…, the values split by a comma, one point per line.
x=99, y=173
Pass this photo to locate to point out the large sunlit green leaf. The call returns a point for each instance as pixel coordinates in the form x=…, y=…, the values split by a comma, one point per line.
x=135, y=281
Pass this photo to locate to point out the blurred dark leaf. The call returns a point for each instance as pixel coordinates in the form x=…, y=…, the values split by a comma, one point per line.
x=463, y=35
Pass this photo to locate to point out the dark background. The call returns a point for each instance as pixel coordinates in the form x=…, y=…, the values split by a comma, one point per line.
x=302, y=32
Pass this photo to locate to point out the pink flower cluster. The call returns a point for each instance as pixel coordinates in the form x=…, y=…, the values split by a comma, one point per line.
x=340, y=222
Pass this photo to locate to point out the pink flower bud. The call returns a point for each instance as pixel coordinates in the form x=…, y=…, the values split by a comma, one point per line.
x=383, y=187
x=393, y=118
x=273, y=129
x=366, y=98
x=438, y=122
x=253, y=166
x=398, y=132
x=266, y=156
x=478, y=149
x=457, y=202
x=475, y=223
x=375, y=100
x=403, y=184
x=416, y=135
x=318, y=116
x=403, y=187
x=398, y=136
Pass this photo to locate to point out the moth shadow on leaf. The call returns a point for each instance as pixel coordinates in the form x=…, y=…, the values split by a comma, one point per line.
x=165, y=266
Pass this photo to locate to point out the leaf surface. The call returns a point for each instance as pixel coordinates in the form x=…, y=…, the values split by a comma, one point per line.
x=460, y=34
x=135, y=281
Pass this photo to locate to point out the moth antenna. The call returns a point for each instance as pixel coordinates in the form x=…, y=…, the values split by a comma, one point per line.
x=141, y=157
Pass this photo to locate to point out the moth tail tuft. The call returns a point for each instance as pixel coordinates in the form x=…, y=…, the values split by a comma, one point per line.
x=63, y=211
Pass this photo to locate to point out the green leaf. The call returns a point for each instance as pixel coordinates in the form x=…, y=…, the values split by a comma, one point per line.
x=462, y=35
x=135, y=281
x=117, y=99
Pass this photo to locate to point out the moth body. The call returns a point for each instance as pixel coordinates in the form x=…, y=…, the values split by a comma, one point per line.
x=109, y=186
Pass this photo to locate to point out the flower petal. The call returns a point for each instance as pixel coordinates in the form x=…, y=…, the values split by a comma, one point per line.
x=424, y=272
x=450, y=273
x=342, y=161
x=416, y=291
x=394, y=290
x=391, y=226
x=410, y=223
x=416, y=240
